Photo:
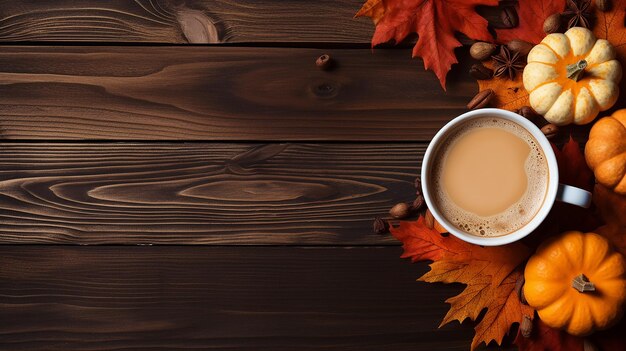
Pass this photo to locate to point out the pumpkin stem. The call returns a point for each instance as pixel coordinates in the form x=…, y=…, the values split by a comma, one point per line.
x=582, y=284
x=575, y=70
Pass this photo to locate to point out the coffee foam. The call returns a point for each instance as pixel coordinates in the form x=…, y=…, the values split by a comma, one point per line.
x=515, y=216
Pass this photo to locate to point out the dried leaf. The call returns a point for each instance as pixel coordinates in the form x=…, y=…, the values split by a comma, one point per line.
x=611, y=339
x=532, y=14
x=508, y=94
x=544, y=338
x=511, y=94
x=490, y=274
x=611, y=206
x=611, y=26
x=616, y=235
x=573, y=169
x=375, y=9
x=612, y=209
x=434, y=21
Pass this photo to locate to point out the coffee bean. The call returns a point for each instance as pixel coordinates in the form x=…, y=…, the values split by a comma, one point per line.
x=418, y=203
x=550, y=130
x=400, y=211
x=509, y=17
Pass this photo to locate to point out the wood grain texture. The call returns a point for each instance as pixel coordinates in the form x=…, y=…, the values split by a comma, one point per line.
x=188, y=21
x=235, y=298
x=217, y=193
x=218, y=93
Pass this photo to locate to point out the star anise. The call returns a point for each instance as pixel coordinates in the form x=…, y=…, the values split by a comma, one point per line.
x=578, y=13
x=507, y=62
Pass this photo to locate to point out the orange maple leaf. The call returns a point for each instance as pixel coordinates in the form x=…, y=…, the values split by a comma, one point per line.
x=532, y=14
x=434, y=21
x=509, y=94
x=490, y=274
x=610, y=26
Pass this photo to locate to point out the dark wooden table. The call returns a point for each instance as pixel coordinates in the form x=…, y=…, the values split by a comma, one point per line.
x=156, y=195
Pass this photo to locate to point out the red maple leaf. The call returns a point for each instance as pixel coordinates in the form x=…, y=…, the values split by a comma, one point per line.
x=532, y=14
x=611, y=339
x=434, y=21
x=610, y=26
x=573, y=168
x=573, y=171
x=544, y=338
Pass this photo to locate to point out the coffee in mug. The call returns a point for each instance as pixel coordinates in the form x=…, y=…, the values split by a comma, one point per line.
x=490, y=177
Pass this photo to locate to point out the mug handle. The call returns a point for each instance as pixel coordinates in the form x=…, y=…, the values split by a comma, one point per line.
x=573, y=195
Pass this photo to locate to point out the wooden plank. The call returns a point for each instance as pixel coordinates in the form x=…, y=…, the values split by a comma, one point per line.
x=223, y=93
x=199, y=193
x=191, y=21
x=235, y=298
x=164, y=21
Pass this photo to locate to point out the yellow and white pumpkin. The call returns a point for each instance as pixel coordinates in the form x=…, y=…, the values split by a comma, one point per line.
x=571, y=77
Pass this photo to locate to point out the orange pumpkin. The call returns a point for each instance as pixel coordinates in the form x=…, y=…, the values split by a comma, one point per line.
x=605, y=151
x=576, y=282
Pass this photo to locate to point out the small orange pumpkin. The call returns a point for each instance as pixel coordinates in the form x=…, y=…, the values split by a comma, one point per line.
x=576, y=282
x=605, y=151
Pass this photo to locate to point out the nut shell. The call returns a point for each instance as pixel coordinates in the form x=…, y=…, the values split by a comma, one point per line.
x=400, y=211
x=523, y=47
x=481, y=50
x=552, y=24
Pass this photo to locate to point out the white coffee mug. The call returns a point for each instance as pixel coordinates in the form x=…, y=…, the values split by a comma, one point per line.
x=556, y=191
